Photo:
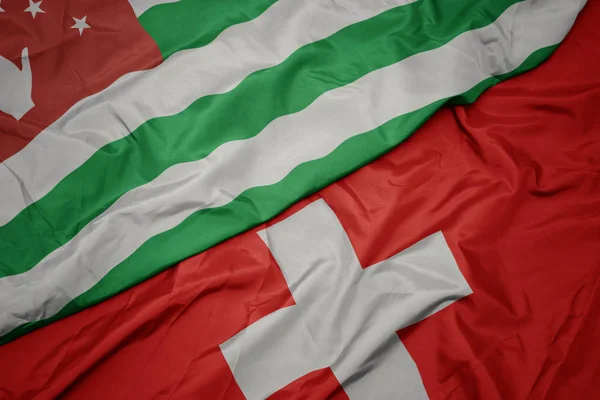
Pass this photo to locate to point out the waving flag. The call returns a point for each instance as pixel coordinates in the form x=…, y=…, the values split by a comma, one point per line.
x=437, y=271
x=112, y=175
x=481, y=231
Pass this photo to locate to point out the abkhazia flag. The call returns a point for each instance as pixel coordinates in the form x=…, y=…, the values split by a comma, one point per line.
x=462, y=264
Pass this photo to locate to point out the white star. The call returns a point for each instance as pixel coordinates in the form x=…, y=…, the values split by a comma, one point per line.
x=1, y=9
x=34, y=8
x=80, y=24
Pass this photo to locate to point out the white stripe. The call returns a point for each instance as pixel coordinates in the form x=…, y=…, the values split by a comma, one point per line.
x=139, y=6
x=170, y=88
x=285, y=143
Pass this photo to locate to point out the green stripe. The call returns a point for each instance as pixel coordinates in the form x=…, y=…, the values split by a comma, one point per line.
x=189, y=24
x=206, y=228
x=239, y=114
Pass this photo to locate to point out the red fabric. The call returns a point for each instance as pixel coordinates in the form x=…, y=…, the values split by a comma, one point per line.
x=191, y=308
x=317, y=385
x=513, y=181
x=67, y=67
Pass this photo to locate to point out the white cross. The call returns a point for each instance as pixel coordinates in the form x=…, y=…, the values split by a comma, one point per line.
x=345, y=317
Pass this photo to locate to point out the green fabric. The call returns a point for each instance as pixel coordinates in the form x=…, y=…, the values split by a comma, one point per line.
x=208, y=227
x=239, y=114
x=187, y=24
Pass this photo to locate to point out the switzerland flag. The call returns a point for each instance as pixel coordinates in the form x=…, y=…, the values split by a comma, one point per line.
x=483, y=229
